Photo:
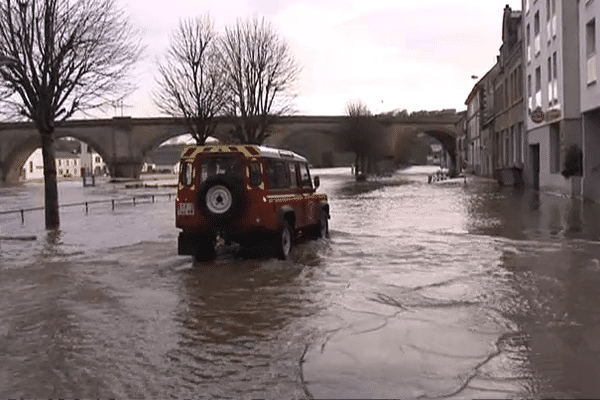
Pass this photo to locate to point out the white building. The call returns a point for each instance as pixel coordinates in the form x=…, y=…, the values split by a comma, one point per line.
x=68, y=165
x=552, y=81
x=589, y=68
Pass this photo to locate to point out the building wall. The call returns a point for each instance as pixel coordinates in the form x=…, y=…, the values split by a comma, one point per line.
x=548, y=181
x=589, y=65
x=67, y=166
x=570, y=57
x=34, y=166
x=591, y=155
x=556, y=55
x=589, y=55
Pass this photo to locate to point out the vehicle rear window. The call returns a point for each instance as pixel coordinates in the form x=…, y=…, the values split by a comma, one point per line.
x=187, y=173
x=222, y=167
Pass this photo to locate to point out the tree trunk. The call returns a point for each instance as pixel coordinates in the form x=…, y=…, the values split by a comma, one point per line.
x=50, y=184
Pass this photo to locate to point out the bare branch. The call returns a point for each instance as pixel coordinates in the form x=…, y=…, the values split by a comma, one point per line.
x=191, y=78
x=69, y=56
x=261, y=77
x=357, y=108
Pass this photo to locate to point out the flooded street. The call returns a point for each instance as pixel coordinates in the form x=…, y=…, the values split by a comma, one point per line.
x=422, y=291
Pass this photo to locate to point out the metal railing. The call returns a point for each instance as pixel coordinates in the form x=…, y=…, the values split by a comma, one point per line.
x=133, y=200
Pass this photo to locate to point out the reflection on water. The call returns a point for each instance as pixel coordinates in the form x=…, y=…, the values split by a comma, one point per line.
x=355, y=188
x=423, y=290
x=555, y=286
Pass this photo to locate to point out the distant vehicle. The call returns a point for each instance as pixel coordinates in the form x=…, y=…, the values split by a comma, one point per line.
x=252, y=195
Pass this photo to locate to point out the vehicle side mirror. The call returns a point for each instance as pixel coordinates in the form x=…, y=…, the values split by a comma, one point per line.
x=317, y=182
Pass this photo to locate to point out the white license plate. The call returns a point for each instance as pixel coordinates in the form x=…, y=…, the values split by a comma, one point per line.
x=185, y=209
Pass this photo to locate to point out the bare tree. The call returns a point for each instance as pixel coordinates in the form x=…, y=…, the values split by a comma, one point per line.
x=69, y=56
x=362, y=135
x=261, y=75
x=357, y=109
x=192, y=78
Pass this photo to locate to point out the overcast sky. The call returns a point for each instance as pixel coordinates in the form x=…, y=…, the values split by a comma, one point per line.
x=392, y=54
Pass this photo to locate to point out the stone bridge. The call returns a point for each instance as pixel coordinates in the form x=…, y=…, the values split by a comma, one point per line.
x=123, y=141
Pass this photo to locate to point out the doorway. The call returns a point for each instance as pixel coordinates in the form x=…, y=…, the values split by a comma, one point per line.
x=534, y=156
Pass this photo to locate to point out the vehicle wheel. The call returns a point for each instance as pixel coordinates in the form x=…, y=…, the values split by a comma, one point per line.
x=205, y=250
x=283, y=241
x=322, y=229
x=324, y=225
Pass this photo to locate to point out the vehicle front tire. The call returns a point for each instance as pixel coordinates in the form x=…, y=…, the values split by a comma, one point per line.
x=322, y=229
x=324, y=225
x=283, y=241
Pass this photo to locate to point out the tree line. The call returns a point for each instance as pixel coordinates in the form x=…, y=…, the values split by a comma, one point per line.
x=246, y=72
x=60, y=57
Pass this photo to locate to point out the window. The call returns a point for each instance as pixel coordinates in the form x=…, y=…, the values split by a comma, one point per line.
x=98, y=159
x=536, y=32
x=59, y=163
x=255, y=174
x=538, y=86
x=554, y=149
x=506, y=92
x=293, y=177
x=305, y=176
x=549, y=81
x=554, y=78
x=30, y=166
x=528, y=39
x=529, y=94
x=590, y=33
x=520, y=82
x=553, y=7
x=186, y=174
x=278, y=176
x=518, y=139
x=511, y=141
x=221, y=167
x=590, y=36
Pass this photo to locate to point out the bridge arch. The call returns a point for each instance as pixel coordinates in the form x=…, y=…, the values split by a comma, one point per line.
x=319, y=146
x=448, y=140
x=123, y=141
x=15, y=160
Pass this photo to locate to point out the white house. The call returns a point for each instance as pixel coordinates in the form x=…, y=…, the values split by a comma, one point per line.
x=68, y=165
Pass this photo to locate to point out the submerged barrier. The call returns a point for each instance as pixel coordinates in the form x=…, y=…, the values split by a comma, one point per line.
x=132, y=200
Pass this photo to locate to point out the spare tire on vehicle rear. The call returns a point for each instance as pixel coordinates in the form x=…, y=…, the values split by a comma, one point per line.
x=221, y=198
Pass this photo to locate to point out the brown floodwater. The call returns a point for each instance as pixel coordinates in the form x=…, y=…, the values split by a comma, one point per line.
x=422, y=291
